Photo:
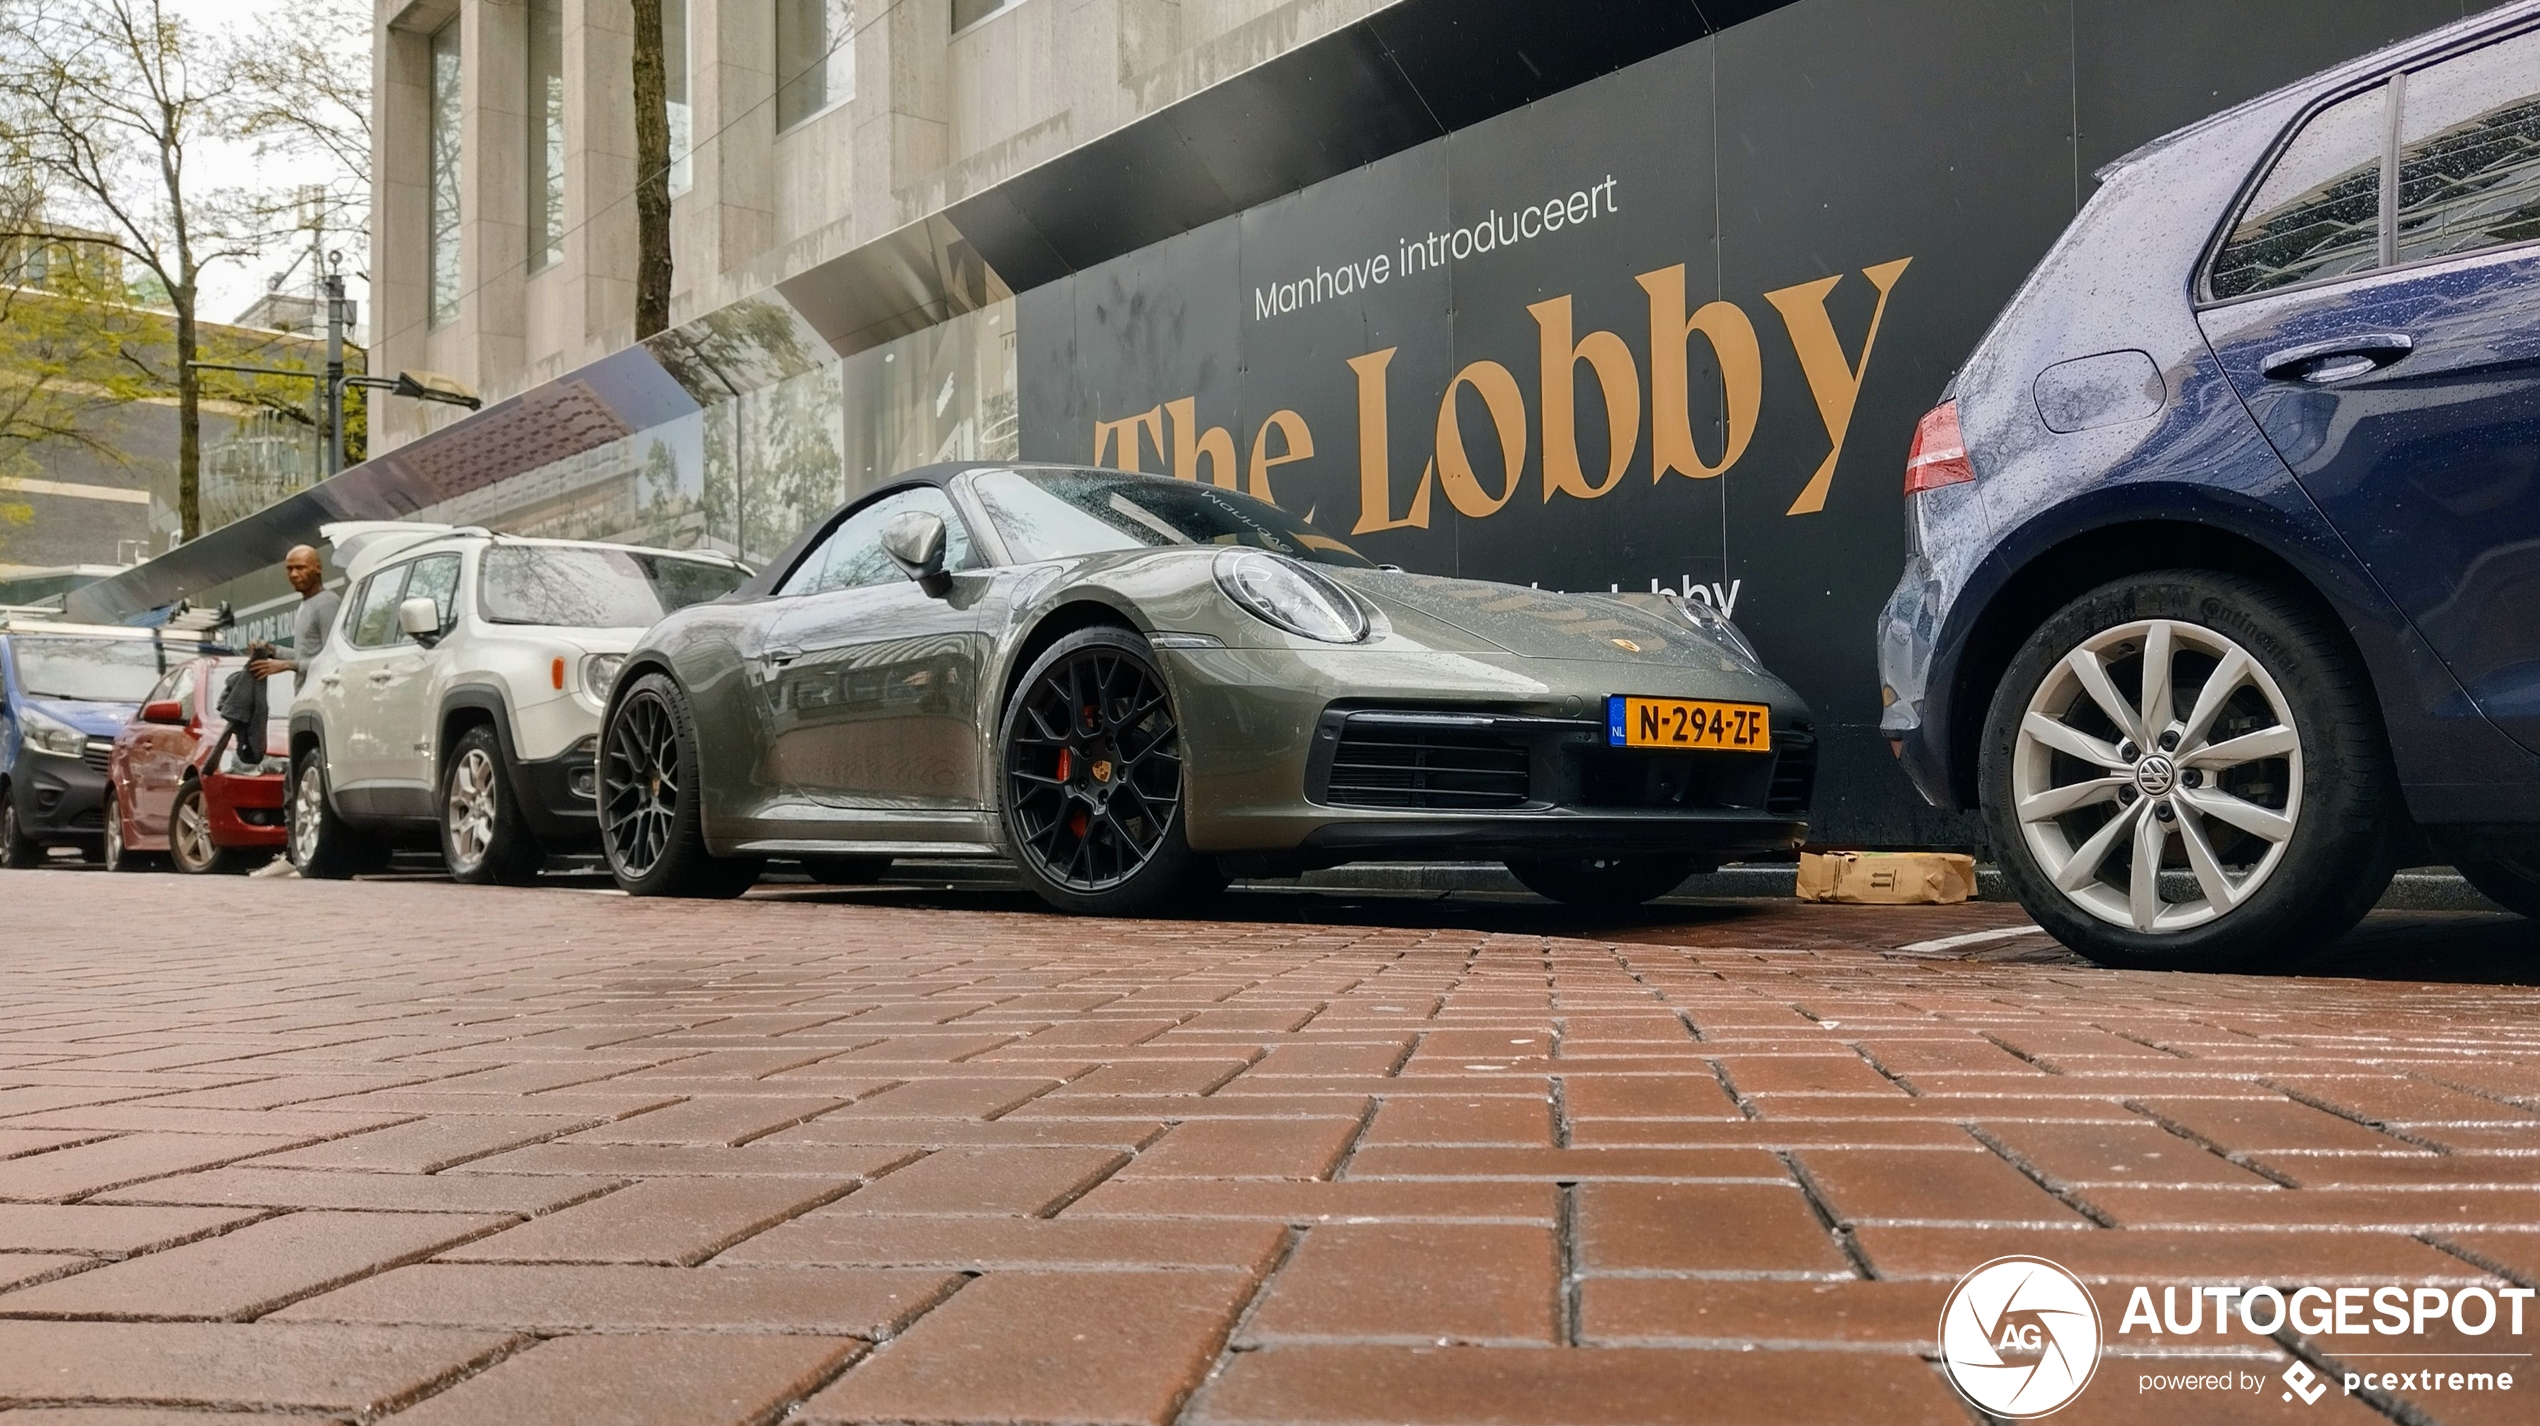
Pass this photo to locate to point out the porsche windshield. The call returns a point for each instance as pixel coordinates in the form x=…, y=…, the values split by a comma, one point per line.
x=580, y=587
x=93, y=670
x=1061, y=514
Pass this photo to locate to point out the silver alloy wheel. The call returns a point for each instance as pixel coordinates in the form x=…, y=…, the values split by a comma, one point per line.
x=2108, y=787
x=308, y=806
x=190, y=832
x=115, y=851
x=468, y=812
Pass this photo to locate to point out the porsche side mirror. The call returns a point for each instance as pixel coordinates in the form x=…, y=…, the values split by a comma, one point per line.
x=915, y=542
x=165, y=710
x=420, y=619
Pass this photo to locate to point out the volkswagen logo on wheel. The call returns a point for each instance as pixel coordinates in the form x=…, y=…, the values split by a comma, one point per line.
x=2020, y=1337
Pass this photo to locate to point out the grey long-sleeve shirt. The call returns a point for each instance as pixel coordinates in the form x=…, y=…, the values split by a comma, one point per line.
x=309, y=628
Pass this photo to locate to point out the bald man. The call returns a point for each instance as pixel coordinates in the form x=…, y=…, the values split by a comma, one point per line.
x=316, y=614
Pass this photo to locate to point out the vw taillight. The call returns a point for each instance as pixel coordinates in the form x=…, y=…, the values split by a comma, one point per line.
x=1939, y=456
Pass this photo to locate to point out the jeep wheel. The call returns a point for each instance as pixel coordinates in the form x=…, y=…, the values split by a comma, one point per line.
x=2186, y=770
x=651, y=782
x=484, y=838
x=321, y=844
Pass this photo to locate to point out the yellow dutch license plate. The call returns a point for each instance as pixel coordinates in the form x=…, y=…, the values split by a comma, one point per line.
x=1688, y=723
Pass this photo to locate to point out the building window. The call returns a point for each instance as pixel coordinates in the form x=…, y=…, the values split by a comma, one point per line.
x=815, y=48
x=674, y=44
x=966, y=13
x=444, y=178
x=546, y=133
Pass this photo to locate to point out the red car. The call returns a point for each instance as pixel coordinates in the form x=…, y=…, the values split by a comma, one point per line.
x=175, y=786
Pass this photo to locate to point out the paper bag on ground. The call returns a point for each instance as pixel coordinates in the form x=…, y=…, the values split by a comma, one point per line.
x=1887, y=878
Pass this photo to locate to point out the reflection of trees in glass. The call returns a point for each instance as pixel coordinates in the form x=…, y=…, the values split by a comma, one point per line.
x=719, y=495
x=748, y=345
x=667, y=508
x=945, y=393
x=792, y=469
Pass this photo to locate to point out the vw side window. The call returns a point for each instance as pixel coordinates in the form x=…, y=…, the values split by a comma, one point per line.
x=2469, y=152
x=435, y=578
x=2318, y=214
x=375, y=620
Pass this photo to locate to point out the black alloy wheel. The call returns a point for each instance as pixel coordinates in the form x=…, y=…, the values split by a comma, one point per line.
x=1093, y=777
x=650, y=827
x=18, y=851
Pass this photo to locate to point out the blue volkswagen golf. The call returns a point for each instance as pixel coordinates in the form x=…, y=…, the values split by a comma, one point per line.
x=2223, y=597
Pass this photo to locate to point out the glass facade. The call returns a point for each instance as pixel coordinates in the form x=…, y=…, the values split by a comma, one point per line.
x=443, y=181
x=815, y=57
x=545, y=133
x=745, y=473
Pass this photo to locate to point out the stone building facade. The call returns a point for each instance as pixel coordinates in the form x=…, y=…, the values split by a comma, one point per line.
x=505, y=148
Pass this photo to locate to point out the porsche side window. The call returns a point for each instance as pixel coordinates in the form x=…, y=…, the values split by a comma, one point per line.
x=375, y=618
x=2318, y=214
x=852, y=557
x=2469, y=152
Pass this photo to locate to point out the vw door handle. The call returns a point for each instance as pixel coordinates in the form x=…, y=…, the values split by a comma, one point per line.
x=2320, y=363
x=331, y=680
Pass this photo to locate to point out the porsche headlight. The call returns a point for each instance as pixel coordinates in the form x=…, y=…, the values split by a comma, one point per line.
x=599, y=671
x=1701, y=615
x=1289, y=596
x=52, y=735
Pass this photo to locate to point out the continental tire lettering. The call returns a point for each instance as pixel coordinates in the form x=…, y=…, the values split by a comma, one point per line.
x=1833, y=380
x=1507, y=408
x=1741, y=358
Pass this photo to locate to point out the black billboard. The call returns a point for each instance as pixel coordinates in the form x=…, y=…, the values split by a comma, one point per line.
x=1672, y=327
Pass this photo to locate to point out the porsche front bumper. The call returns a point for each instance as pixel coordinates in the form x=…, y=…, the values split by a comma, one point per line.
x=1302, y=760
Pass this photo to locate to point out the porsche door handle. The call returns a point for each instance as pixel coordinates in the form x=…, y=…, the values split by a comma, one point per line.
x=2321, y=363
x=779, y=657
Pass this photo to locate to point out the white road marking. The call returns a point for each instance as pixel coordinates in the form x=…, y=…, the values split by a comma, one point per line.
x=1971, y=938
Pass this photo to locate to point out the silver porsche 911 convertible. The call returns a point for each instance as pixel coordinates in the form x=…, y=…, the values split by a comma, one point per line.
x=1133, y=688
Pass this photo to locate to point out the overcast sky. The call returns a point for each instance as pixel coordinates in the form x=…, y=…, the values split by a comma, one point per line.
x=229, y=288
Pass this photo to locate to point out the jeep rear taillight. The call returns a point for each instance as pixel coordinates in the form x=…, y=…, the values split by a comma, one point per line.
x=1939, y=455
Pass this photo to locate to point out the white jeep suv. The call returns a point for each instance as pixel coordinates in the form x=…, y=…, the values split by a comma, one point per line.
x=460, y=692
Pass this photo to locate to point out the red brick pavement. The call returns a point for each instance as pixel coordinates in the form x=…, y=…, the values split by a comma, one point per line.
x=427, y=1153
